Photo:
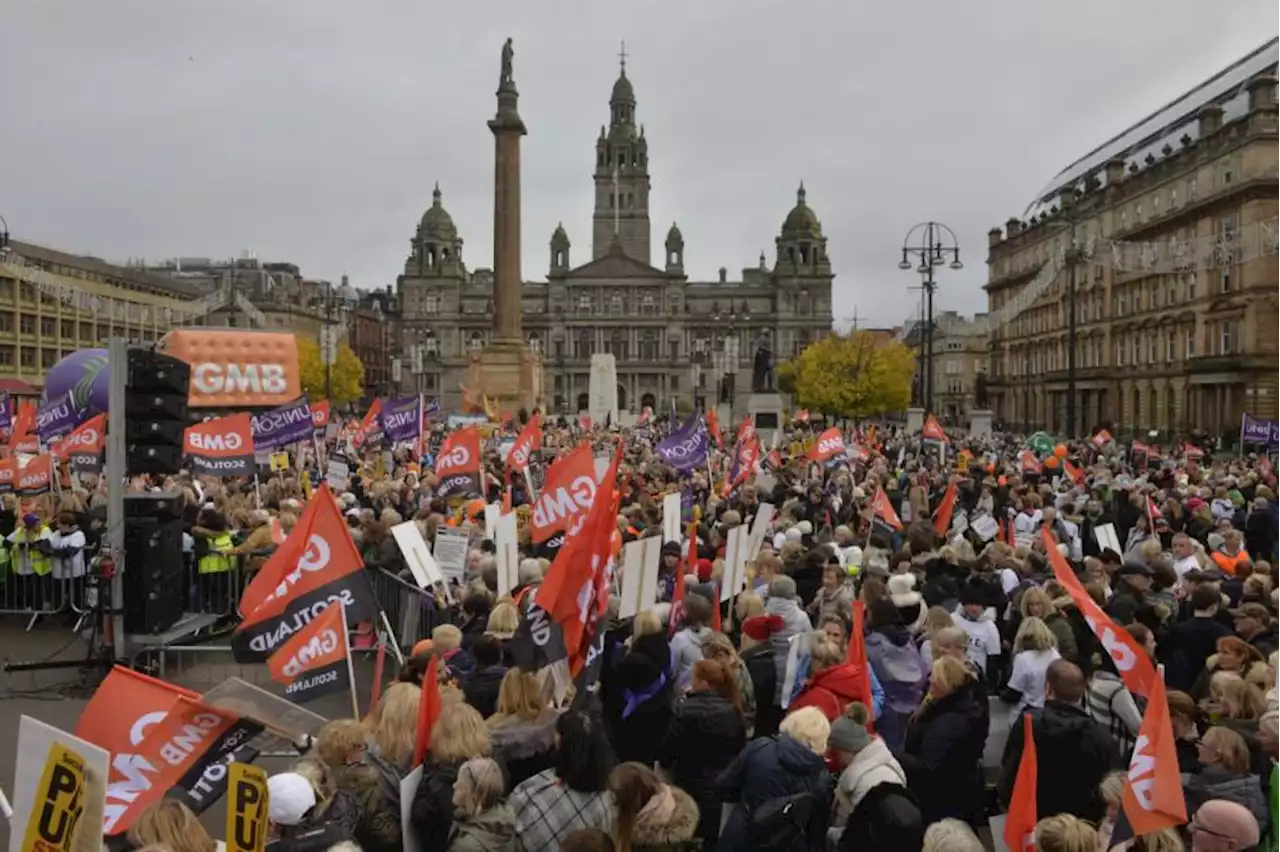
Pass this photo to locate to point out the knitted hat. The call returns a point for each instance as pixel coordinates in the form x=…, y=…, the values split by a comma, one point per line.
x=849, y=732
x=761, y=627
x=782, y=587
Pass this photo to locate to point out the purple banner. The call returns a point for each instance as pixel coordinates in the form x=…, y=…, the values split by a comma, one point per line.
x=686, y=448
x=401, y=419
x=1255, y=430
x=55, y=418
x=281, y=426
x=6, y=412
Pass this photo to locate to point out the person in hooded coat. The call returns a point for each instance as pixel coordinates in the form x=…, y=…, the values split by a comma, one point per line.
x=873, y=809
x=482, y=820
x=783, y=604
x=942, y=750
x=637, y=694
x=481, y=688
x=897, y=665
x=758, y=655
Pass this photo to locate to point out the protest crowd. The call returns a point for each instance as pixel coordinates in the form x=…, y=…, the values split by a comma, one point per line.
x=676, y=636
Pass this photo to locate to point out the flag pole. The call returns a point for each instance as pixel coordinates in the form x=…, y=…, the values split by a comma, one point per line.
x=351, y=671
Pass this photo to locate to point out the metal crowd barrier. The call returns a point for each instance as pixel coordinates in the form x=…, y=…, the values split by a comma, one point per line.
x=37, y=596
x=411, y=613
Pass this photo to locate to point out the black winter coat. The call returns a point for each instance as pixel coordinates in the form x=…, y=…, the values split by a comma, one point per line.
x=769, y=769
x=764, y=683
x=887, y=817
x=1074, y=753
x=432, y=808
x=705, y=735
x=942, y=755
x=638, y=736
x=481, y=689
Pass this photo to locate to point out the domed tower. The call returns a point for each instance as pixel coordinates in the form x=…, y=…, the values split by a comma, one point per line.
x=802, y=250
x=622, y=177
x=675, y=251
x=559, y=251
x=437, y=248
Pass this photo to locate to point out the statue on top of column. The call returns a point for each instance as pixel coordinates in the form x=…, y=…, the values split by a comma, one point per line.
x=508, y=52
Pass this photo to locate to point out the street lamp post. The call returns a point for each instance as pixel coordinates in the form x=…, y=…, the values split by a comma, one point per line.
x=930, y=243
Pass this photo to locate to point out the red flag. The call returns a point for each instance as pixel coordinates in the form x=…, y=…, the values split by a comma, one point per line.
x=1020, y=822
x=884, y=509
x=1153, y=798
x=1130, y=658
x=1076, y=474
x=1101, y=439
x=942, y=518
x=857, y=656
x=530, y=439
x=713, y=426
x=716, y=618
x=932, y=431
x=829, y=444
x=580, y=574
x=369, y=425
x=429, y=707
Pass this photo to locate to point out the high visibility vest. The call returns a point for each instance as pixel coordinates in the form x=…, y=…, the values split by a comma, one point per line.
x=217, y=560
x=1227, y=562
x=40, y=563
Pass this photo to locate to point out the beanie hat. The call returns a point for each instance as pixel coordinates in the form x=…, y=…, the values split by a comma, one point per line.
x=849, y=732
x=290, y=797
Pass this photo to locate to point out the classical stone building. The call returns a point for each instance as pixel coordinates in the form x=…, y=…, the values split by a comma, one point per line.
x=1168, y=231
x=673, y=338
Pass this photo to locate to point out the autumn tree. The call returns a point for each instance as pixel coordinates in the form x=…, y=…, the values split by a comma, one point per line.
x=347, y=376
x=855, y=375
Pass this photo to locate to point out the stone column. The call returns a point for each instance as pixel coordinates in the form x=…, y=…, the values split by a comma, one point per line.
x=507, y=129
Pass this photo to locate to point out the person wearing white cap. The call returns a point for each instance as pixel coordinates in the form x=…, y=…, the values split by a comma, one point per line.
x=302, y=821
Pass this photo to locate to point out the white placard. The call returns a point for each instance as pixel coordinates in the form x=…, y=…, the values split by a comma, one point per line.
x=1105, y=535
x=639, y=576
x=508, y=553
x=417, y=555
x=986, y=527
x=451, y=552
x=409, y=789
x=735, y=562
x=759, y=526
x=671, y=517
x=35, y=739
x=337, y=474
x=492, y=512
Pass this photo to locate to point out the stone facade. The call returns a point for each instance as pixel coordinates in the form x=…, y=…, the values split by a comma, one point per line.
x=959, y=358
x=1170, y=347
x=662, y=328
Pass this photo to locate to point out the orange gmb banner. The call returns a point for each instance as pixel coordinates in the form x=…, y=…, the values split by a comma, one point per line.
x=234, y=368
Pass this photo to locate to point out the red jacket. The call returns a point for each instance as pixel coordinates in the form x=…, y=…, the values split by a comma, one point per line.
x=832, y=690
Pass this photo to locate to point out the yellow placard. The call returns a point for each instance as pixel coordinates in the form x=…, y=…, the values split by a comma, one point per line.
x=59, y=803
x=279, y=462
x=246, y=808
x=306, y=483
x=962, y=463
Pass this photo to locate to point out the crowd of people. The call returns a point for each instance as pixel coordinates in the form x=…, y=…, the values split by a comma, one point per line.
x=701, y=735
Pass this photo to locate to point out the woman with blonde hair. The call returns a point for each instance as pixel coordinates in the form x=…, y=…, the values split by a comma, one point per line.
x=392, y=725
x=459, y=735
x=720, y=648
x=1065, y=833
x=171, y=824
x=1112, y=789
x=935, y=618
x=523, y=731
x=1224, y=774
x=1034, y=650
x=483, y=821
x=772, y=767
x=951, y=835
x=341, y=746
x=1035, y=601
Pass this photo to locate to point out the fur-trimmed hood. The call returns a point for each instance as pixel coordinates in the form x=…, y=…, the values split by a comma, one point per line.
x=677, y=829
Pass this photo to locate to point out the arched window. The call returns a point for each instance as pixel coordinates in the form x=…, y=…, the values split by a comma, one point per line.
x=535, y=342
x=476, y=343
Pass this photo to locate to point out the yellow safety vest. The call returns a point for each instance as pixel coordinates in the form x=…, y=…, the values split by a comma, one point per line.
x=40, y=563
x=217, y=561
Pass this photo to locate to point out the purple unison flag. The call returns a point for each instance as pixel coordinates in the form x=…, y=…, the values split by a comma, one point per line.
x=55, y=418
x=288, y=424
x=401, y=419
x=686, y=448
x=1255, y=430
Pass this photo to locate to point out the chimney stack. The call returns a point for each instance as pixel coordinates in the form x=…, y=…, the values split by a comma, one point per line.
x=1210, y=120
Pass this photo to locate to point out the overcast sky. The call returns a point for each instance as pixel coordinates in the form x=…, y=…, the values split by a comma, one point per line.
x=312, y=131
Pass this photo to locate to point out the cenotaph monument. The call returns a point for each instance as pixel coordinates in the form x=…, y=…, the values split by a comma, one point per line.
x=507, y=371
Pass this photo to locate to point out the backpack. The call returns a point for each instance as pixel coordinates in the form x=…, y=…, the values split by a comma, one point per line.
x=780, y=824
x=388, y=779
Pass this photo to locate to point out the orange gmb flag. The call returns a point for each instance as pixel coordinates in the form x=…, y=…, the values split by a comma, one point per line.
x=829, y=445
x=884, y=509
x=529, y=440
x=1020, y=823
x=1153, y=798
x=942, y=518
x=932, y=431
x=1130, y=658
x=314, y=661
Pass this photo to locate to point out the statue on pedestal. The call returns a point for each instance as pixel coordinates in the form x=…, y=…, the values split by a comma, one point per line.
x=508, y=52
x=762, y=364
x=980, y=391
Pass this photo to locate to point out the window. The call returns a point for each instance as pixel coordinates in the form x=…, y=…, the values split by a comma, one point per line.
x=6, y=289
x=28, y=356
x=27, y=293
x=1226, y=338
x=615, y=303
x=673, y=347
x=1172, y=295
x=1169, y=346
x=1173, y=198
x=6, y=356
x=1135, y=351
x=431, y=304
x=1155, y=205
x=648, y=304
x=675, y=383
x=1122, y=302
x=476, y=343
x=69, y=329
x=1192, y=192
x=48, y=326
x=584, y=303
x=535, y=343
x=1191, y=343
x=48, y=357
x=1153, y=349
x=27, y=324
x=618, y=345
x=6, y=322
x=1191, y=286
x=582, y=345
x=431, y=344
x=1119, y=352
x=649, y=345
